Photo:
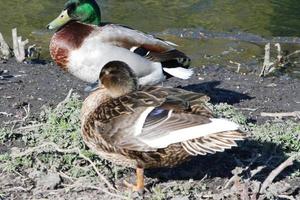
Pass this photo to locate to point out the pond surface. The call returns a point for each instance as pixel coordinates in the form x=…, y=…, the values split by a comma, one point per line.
x=263, y=18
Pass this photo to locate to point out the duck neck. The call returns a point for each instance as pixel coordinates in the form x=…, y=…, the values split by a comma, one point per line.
x=91, y=14
x=95, y=20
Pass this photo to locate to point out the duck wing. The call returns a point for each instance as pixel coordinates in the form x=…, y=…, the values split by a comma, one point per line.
x=149, y=47
x=131, y=39
x=119, y=120
x=156, y=118
x=190, y=123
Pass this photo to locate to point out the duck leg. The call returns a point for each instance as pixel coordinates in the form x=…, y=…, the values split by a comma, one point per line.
x=139, y=187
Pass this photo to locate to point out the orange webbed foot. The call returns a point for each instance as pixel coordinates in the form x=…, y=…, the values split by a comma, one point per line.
x=139, y=187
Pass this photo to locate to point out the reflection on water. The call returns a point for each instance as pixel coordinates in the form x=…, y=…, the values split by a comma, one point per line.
x=262, y=17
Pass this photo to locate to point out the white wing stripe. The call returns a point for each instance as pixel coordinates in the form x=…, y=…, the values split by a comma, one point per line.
x=182, y=135
x=141, y=121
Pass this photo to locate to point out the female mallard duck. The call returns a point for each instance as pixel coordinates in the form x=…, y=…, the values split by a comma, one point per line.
x=152, y=126
x=83, y=45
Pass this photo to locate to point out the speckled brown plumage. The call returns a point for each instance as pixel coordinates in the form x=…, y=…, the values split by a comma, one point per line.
x=104, y=146
x=152, y=126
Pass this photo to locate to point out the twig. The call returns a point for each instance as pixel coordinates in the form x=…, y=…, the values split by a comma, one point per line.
x=58, y=149
x=267, y=62
x=19, y=46
x=15, y=122
x=279, y=53
x=238, y=66
x=6, y=114
x=40, y=147
x=249, y=109
x=295, y=52
x=98, y=173
x=27, y=112
x=29, y=127
x=235, y=178
x=280, y=115
x=256, y=171
x=14, y=189
x=62, y=174
x=4, y=48
x=282, y=196
x=231, y=181
x=277, y=171
x=65, y=100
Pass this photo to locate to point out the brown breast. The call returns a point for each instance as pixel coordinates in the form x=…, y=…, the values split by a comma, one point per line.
x=66, y=39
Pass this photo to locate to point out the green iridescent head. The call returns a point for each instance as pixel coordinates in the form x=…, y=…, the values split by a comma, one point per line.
x=86, y=11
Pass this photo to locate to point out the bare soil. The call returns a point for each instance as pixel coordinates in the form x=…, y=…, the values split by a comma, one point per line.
x=37, y=85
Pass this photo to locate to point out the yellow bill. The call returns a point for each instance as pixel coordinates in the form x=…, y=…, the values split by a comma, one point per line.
x=61, y=20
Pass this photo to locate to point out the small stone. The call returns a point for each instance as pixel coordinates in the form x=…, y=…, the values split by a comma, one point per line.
x=225, y=52
x=49, y=181
x=14, y=151
x=272, y=85
x=34, y=174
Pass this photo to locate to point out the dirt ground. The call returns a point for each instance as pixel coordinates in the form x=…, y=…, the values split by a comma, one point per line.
x=44, y=84
x=36, y=85
x=32, y=84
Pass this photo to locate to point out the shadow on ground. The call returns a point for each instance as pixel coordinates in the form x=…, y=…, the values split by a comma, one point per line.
x=218, y=95
x=250, y=154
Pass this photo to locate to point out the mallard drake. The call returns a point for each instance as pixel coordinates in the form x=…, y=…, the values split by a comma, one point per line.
x=151, y=126
x=83, y=45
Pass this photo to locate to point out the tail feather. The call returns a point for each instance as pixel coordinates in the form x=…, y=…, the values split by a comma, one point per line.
x=175, y=58
x=174, y=62
x=179, y=72
x=191, y=151
x=221, y=142
x=211, y=144
x=212, y=148
x=224, y=129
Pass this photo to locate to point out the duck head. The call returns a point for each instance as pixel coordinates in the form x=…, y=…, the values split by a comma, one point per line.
x=85, y=11
x=118, y=78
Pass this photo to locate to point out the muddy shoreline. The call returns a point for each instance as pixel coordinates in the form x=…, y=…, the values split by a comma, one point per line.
x=39, y=85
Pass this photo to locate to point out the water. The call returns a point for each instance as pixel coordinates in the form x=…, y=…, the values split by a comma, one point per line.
x=264, y=18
